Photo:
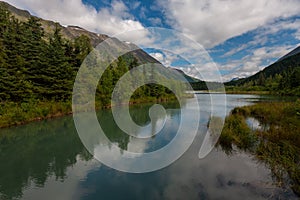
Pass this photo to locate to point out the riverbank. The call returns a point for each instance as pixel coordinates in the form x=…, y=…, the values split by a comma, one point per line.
x=277, y=145
x=230, y=91
x=249, y=92
x=260, y=90
x=15, y=114
x=246, y=90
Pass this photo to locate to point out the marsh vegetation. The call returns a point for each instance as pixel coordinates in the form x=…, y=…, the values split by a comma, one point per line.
x=278, y=146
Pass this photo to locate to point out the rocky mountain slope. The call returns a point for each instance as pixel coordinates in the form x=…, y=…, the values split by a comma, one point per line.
x=71, y=32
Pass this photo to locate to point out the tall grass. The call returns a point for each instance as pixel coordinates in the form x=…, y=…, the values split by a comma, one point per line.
x=278, y=146
x=12, y=113
x=17, y=113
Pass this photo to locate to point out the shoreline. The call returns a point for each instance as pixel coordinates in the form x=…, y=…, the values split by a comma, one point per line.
x=64, y=109
x=231, y=92
x=250, y=92
x=37, y=119
x=61, y=109
x=275, y=141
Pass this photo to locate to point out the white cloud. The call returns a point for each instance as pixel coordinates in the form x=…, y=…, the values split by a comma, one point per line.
x=158, y=56
x=143, y=12
x=235, y=50
x=155, y=21
x=273, y=28
x=254, y=62
x=135, y=5
x=108, y=20
x=166, y=58
x=211, y=22
x=265, y=53
x=297, y=35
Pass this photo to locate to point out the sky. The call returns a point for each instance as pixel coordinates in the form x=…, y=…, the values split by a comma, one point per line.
x=242, y=37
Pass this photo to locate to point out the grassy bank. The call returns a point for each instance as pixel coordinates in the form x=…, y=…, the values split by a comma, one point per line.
x=246, y=90
x=278, y=146
x=13, y=114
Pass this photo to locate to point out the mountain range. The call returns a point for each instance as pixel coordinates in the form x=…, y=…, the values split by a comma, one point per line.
x=71, y=32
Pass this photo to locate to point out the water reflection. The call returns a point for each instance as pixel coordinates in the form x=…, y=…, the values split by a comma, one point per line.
x=139, y=114
x=46, y=160
x=30, y=154
x=255, y=125
x=271, y=138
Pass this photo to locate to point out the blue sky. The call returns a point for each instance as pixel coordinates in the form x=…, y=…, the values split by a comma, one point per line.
x=241, y=36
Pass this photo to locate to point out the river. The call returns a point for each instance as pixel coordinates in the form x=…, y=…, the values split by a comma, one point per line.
x=46, y=160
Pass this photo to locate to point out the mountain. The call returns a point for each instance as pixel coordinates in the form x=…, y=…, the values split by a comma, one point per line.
x=283, y=65
x=294, y=52
x=187, y=77
x=20, y=14
x=39, y=59
x=235, y=79
x=71, y=32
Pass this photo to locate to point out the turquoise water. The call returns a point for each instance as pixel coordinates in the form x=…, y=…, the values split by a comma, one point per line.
x=46, y=160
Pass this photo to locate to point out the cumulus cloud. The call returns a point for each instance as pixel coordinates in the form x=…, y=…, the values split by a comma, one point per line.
x=108, y=20
x=211, y=22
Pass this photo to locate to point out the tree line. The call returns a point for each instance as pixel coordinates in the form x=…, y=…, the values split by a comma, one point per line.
x=286, y=82
x=35, y=65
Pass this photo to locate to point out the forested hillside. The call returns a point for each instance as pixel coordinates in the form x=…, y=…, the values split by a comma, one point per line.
x=33, y=66
x=38, y=71
x=282, y=77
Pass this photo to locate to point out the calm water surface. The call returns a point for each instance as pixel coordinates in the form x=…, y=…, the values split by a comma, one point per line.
x=46, y=160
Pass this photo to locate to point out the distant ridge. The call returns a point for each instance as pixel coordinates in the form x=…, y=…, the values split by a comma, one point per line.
x=294, y=52
x=285, y=63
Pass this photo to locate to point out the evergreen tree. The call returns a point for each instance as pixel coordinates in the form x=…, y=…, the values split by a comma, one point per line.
x=35, y=67
x=58, y=76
